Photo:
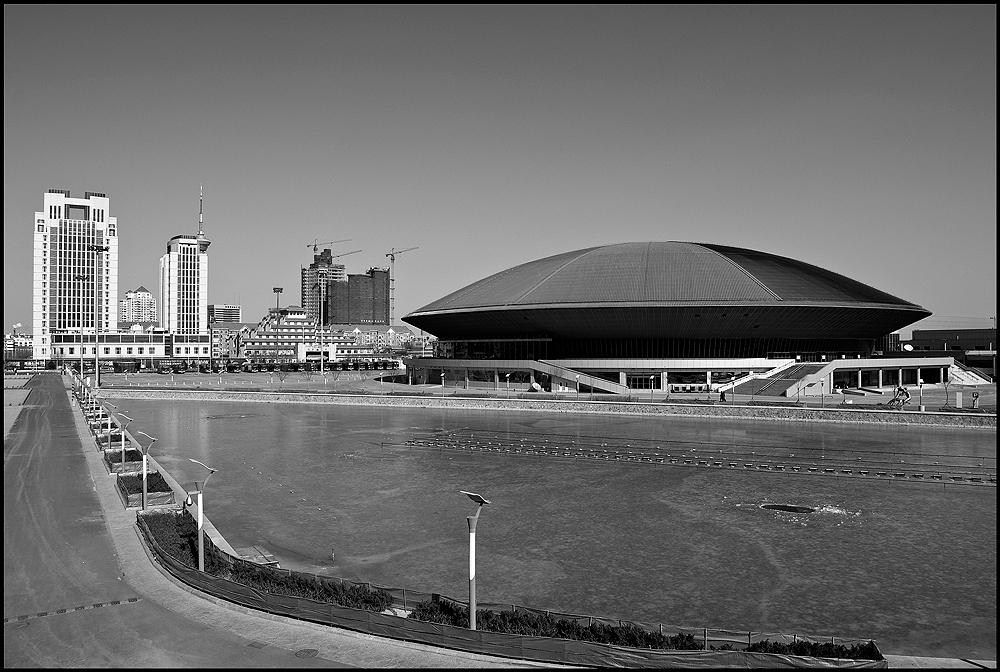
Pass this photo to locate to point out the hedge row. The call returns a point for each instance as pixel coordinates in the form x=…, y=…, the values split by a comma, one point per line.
x=862, y=651
x=544, y=625
x=177, y=535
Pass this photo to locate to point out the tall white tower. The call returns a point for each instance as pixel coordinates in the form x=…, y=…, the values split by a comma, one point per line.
x=184, y=282
x=75, y=283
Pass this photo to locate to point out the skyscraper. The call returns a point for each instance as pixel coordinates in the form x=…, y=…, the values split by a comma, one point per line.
x=75, y=268
x=316, y=283
x=184, y=282
x=363, y=299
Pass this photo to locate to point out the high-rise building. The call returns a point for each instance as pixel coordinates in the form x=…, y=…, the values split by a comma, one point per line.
x=184, y=282
x=137, y=306
x=75, y=268
x=224, y=313
x=363, y=299
x=316, y=283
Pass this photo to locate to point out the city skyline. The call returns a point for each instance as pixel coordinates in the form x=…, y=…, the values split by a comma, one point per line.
x=858, y=139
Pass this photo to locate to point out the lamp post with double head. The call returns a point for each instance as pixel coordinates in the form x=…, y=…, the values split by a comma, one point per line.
x=472, y=520
x=145, y=470
x=199, y=490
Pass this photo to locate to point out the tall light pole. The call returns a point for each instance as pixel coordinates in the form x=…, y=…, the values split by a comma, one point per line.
x=651, y=389
x=508, y=384
x=322, y=300
x=97, y=311
x=442, y=383
x=480, y=500
x=578, y=387
x=145, y=456
x=80, y=279
x=277, y=296
x=199, y=490
x=111, y=418
x=124, y=430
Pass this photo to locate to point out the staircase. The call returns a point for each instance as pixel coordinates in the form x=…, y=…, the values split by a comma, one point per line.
x=960, y=374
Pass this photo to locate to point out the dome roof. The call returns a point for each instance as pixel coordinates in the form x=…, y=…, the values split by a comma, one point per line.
x=661, y=273
x=656, y=289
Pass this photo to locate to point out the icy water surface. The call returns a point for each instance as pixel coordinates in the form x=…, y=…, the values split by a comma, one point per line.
x=911, y=564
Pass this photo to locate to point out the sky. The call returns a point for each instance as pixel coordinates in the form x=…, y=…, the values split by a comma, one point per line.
x=860, y=139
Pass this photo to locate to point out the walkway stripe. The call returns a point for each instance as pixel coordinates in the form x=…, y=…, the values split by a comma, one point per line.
x=42, y=614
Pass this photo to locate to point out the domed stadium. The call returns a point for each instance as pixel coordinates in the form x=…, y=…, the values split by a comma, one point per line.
x=631, y=309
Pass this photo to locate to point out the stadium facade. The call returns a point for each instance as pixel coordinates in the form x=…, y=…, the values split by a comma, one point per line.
x=656, y=314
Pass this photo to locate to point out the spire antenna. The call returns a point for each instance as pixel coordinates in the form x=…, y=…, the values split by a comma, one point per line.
x=201, y=210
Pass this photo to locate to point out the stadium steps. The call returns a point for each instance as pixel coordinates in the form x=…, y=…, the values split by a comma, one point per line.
x=570, y=375
x=778, y=385
x=961, y=374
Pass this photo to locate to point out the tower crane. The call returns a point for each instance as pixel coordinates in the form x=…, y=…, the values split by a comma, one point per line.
x=392, y=280
x=315, y=244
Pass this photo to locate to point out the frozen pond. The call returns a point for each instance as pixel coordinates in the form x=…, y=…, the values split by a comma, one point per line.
x=912, y=564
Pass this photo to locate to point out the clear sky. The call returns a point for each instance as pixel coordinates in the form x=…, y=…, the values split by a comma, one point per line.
x=860, y=139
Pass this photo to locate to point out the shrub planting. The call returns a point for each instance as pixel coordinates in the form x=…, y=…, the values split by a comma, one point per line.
x=112, y=457
x=862, y=651
x=534, y=624
x=177, y=535
x=132, y=483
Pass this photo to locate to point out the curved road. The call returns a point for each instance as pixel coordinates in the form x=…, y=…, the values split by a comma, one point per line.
x=80, y=590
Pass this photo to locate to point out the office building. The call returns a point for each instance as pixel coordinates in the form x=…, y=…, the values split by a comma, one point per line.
x=184, y=283
x=75, y=271
x=224, y=313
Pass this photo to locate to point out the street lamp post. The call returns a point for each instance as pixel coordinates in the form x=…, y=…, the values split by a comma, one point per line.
x=145, y=456
x=322, y=300
x=199, y=489
x=920, y=388
x=80, y=279
x=508, y=385
x=110, y=421
x=124, y=430
x=97, y=312
x=480, y=500
x=277, y=296
x=651, y=389
x=578, y=387
x=442, y=383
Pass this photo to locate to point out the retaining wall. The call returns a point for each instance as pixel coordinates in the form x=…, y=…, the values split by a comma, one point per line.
x=772, y=413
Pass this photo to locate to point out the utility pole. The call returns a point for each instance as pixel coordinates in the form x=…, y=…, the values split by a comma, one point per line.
x=392, y=281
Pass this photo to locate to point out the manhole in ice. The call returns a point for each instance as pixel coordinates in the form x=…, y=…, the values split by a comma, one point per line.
x=790, y=508
x=306, y=653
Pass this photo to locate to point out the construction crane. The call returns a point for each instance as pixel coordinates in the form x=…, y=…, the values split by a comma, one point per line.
x=392, y=281
x=315, y=244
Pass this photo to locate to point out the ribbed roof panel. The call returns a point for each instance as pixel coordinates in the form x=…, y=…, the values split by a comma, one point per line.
x=661, y=273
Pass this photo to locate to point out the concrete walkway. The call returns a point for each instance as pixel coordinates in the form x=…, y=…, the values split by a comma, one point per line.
x=81, y=590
